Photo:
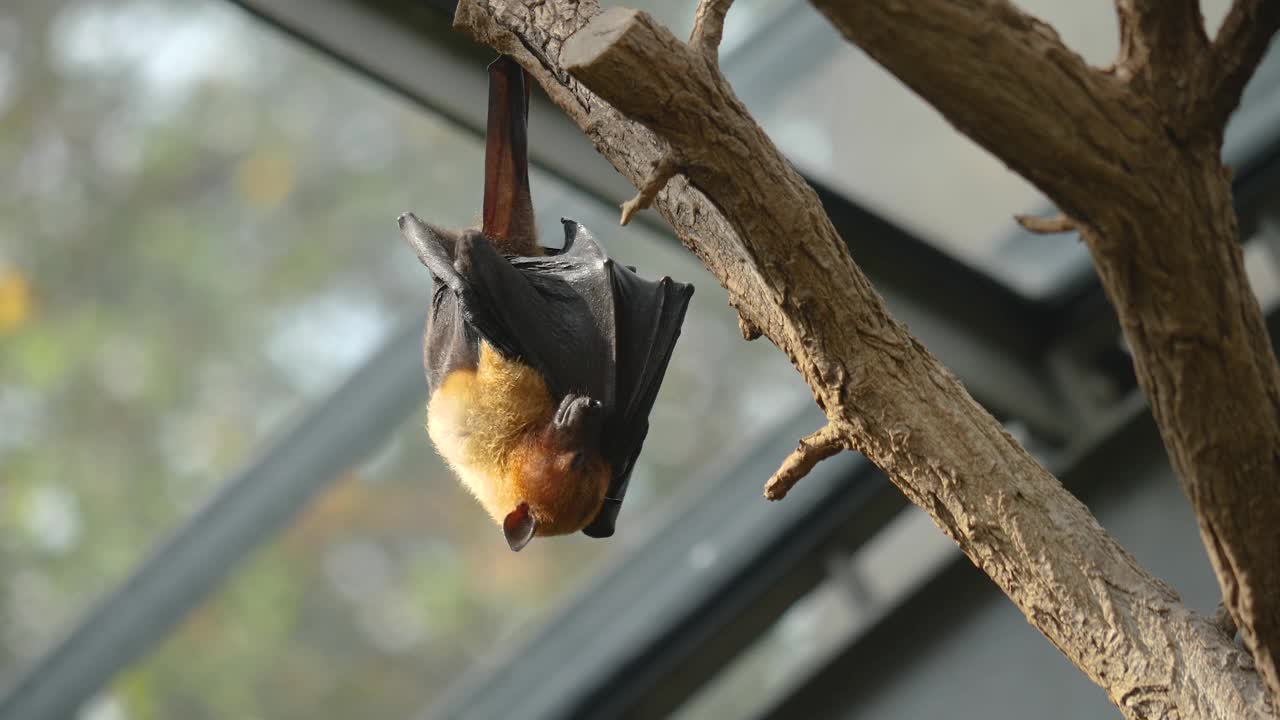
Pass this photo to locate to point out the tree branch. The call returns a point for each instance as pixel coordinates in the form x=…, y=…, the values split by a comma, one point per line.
x=708, y=27
x=812, y=450
x=1241, y=42
x=996, y=73
x=1159, y=41
x=761, y=230
x=1046, y=225
x=1154, y=206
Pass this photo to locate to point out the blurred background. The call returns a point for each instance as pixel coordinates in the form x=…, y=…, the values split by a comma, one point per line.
x=217, y=499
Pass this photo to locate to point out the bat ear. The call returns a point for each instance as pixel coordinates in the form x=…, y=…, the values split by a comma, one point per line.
x=519, y=527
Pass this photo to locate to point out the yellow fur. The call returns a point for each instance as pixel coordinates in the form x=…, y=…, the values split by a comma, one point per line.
x=477, y=418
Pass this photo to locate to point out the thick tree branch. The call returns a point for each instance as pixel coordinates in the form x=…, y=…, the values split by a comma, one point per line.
x=1154, y=206
x=997, y=73
x=1242, y=40
x=761, y=230
x=1159, y=41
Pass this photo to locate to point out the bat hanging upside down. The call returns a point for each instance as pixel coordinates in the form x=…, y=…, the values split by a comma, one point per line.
x=542, y=364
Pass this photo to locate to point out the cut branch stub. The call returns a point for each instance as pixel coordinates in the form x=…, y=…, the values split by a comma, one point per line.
x=1046, y=225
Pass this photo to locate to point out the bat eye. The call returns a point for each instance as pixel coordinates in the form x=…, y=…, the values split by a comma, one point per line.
x=579, y=460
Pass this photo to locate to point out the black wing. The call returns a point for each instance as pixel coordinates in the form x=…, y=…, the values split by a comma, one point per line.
x=554, y=314
x=589, y=325
x=647, y=319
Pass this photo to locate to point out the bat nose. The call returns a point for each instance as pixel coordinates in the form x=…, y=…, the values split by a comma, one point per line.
x=404, y=219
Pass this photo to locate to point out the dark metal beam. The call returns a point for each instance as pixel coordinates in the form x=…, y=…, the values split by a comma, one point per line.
x=244, y=513
x=871, y=656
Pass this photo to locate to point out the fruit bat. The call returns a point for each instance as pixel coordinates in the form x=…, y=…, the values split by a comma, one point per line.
x=542, y=364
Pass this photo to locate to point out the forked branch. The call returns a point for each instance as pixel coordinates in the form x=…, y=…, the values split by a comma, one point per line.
x=1159, y=40
x=1242, y=40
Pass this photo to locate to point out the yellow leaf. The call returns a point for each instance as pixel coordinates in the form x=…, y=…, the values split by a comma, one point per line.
x=15, y=300
x=265, y=178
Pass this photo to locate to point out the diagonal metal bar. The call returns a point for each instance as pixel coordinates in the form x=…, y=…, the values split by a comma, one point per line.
x=243, y=514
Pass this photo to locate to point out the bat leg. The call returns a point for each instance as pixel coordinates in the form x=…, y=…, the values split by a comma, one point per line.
x=508, y=209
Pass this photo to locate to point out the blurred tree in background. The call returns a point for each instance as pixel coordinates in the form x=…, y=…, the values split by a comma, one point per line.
x=197, y=239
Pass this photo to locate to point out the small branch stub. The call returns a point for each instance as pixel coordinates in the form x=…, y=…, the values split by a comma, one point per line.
x=811, y=451
x=1242, y=40
x=1046, y=225
x=708, y=28
x=663, y=171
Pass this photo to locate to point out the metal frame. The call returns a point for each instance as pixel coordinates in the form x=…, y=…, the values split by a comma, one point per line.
x=246, y=512
x=683, y=620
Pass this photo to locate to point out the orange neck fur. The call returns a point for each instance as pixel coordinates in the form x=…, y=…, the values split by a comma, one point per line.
x=492, y=425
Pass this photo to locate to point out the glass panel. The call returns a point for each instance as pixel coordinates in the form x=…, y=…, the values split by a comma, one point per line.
x=856, y=594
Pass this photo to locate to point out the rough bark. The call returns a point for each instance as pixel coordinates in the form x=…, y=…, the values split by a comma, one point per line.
x=761, y=230
x=1153, y=202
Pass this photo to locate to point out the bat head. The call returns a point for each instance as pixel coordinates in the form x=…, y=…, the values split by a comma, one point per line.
x=560, y=476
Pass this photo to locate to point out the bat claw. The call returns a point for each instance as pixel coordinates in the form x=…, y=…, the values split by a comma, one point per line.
x=573, y=415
